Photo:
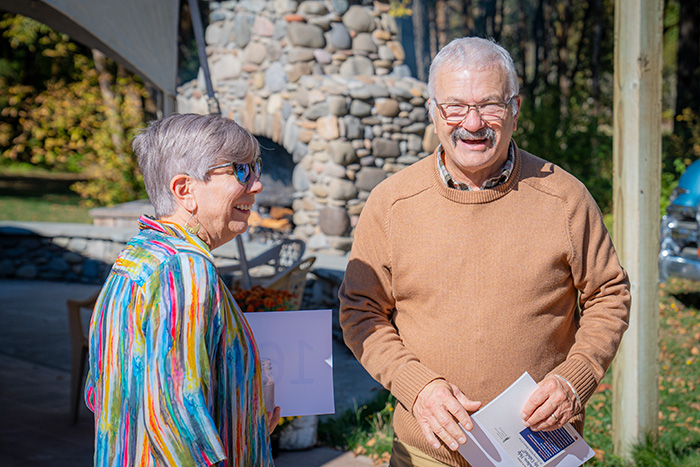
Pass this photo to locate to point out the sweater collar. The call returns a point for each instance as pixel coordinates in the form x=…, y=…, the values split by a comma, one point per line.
x=502, y=176
x=480, y=196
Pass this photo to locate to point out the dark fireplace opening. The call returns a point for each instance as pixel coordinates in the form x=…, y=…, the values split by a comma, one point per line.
x=272, y=218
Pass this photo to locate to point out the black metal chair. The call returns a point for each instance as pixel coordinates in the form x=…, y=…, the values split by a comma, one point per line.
x=266, y=265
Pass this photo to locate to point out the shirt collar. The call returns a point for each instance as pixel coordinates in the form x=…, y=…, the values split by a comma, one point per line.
x=499, y=179
x=175, y=230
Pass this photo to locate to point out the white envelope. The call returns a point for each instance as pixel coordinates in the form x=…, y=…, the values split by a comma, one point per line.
x=300, y=347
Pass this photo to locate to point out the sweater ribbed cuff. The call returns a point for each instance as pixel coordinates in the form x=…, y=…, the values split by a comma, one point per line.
x=410, y=380
x=580, y=376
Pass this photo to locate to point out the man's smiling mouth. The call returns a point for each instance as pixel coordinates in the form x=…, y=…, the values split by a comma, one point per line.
x=481, y=136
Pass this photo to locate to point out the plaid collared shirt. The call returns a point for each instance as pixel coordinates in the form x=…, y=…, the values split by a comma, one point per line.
x=501, y=178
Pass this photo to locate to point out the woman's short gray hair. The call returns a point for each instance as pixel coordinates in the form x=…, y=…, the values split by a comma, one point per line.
x=474, y=53
x=188, y=144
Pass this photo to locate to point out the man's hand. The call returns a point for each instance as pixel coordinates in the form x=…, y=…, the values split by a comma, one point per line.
x=438, y=408
x=550, y=406
x=273, y=418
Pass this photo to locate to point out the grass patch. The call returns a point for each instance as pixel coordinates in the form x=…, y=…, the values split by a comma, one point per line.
x=368, y=430
x=40, y=196
x=679, y=388
x=608, y=221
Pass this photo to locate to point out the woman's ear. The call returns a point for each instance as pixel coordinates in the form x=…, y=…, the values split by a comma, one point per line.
x=182, y=188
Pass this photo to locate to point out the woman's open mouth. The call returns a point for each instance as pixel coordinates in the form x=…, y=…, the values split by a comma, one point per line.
x=244, y=207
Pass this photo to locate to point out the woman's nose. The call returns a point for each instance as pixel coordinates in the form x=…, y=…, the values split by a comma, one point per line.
x=255, y=185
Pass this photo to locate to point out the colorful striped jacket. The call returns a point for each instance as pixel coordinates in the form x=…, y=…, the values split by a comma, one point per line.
x=174, y=374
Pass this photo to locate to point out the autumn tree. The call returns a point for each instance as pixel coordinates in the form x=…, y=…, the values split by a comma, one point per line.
x=68, y=108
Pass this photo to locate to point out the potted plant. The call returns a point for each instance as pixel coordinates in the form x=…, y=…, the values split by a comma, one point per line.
x=259, y=298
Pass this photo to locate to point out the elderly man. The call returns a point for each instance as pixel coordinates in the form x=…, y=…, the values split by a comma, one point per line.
x=476, y=264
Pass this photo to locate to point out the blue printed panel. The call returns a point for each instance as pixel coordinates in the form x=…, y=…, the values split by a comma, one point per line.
x=547, y=444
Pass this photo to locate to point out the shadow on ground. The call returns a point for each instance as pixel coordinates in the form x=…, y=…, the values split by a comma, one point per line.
x=37, y=185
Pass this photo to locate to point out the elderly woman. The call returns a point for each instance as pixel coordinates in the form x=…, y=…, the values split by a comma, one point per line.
x=175, y=376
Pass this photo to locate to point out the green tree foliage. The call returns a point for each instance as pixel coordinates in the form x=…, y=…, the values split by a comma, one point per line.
x=563, y=52
x=56, y=109
x=400, y=8
x=566, y=72
x=579, y=140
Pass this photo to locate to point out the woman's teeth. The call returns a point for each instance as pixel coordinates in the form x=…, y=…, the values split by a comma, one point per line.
x=244, y=207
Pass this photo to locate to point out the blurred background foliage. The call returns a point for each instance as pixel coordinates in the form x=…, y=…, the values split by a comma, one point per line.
x=563, y=51
x=65, y=107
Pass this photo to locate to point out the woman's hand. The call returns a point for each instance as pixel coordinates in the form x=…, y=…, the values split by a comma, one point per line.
x=273, y=418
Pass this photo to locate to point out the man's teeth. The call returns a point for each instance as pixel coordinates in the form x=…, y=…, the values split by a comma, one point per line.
x=244, y=207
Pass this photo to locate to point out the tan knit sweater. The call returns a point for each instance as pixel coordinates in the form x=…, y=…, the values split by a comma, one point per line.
x=479, y=286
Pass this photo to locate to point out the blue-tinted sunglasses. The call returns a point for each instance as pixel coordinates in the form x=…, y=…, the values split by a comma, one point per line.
x=242, y=171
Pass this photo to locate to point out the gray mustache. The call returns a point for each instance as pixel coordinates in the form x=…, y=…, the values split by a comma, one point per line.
x=483, y=133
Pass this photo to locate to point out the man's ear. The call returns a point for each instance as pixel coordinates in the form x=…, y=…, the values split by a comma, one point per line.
x=430, y=106
x=517, y=112
x=182, y=188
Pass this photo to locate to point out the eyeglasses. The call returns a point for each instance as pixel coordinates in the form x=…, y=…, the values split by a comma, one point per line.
x=242, y=171
x=455, y=112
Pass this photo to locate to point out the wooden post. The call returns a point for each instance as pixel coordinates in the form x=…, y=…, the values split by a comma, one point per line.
x=636, y=182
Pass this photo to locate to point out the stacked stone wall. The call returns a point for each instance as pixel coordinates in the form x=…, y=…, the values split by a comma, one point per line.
x=57, y=252
x=328, y=82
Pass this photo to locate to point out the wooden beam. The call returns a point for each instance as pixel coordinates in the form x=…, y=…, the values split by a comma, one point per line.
x=636, y=182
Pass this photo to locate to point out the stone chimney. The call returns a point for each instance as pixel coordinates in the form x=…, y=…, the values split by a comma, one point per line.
x=327, y=81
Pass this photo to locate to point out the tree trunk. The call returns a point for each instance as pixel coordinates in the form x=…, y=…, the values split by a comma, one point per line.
x=135, y=104
x=562, y=33
x=432, y=30
x=595, y=54
x=538, y=29
x=468, y=17
x=418, y=19
x=688, y=71
x=500, y=20
x=493, y=18
x=441, y=25
x=583, y=27
x=111, y=105
x=523, y=41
